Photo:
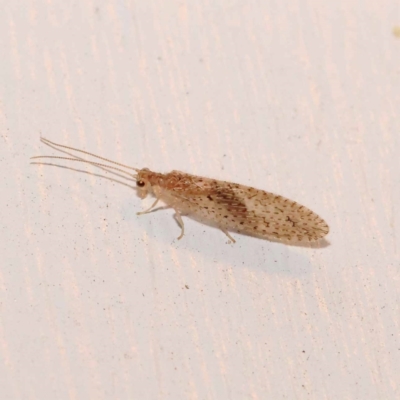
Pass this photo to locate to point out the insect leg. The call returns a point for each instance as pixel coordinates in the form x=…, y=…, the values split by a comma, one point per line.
x=149, y=209
x=178, y=217
x=229, y=236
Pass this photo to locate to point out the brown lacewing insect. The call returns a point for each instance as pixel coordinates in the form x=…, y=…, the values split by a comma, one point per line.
x=228, y=206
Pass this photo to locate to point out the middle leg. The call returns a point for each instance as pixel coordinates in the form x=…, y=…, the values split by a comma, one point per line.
x=178, y=217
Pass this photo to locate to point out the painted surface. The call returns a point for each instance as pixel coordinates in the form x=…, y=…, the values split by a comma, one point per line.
x=297, y=98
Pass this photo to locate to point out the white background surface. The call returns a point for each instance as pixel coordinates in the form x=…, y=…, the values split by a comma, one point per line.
x=301, y=98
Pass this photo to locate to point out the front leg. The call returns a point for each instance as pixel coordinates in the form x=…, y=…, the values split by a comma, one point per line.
x=157, y=193
x=149, y=209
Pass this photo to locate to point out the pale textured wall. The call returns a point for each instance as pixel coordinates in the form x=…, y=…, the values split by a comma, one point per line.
x=301, y=98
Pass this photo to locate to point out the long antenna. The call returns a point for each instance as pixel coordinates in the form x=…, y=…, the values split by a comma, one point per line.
x=87, y=162
x=49, y=143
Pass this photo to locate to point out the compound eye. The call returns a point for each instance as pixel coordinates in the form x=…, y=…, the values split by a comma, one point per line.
x=140, y=183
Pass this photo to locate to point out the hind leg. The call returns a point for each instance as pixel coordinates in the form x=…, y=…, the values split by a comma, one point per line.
x=227, y=234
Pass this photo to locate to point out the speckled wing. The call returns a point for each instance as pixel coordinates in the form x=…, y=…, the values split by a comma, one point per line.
x=240, y=208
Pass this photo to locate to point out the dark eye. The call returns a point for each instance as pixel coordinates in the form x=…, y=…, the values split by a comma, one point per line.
x=140, y=183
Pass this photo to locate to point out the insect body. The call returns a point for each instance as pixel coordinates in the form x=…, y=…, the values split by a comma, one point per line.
x=228, y=206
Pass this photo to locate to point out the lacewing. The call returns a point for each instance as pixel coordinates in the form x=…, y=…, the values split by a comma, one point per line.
x=225, y=205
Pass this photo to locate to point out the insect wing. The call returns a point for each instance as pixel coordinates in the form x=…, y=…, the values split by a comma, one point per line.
x=244, y=209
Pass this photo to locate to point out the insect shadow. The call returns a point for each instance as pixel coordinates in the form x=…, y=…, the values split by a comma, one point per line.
x=86, y=172
x=260, y=255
